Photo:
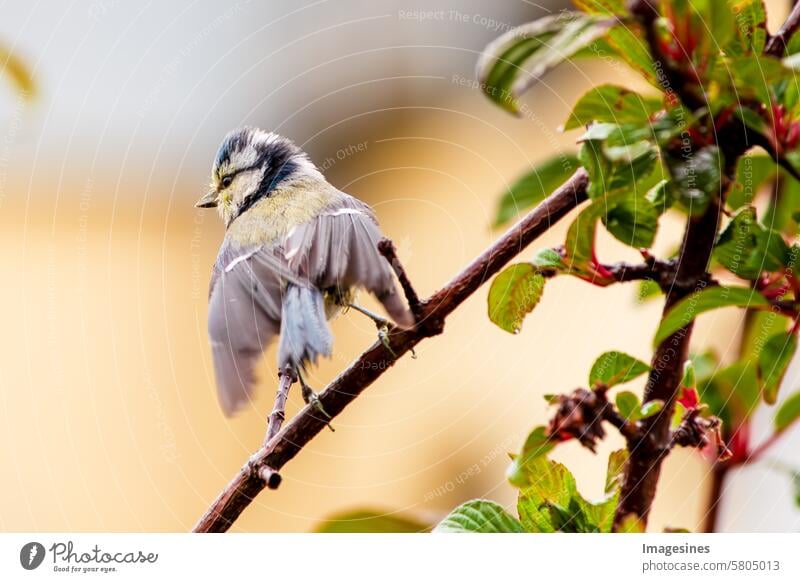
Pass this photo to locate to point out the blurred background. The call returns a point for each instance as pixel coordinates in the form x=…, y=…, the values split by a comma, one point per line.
x=108, y=413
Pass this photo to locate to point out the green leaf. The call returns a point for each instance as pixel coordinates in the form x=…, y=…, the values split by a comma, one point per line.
x=788, y=412
x=548, y=259
x=606, y=7
x=696, y=178
x=613, y=368
x=579, y=246
x=686, y=310
x=628, y=405
x=552, y=503
x=651, y=408
x=658, y=196
x=516, y=60
x=616, y=470
x=747, y=249
x=773, y=361
x=718, y=18
x=613, y=104
x=513, y=294
x=781, y=214
x=752, y=172
x=732, y=393
x=479, y=516
x=689, y=377
x=796, y=486
x=751, y=26
x=750, y=77
x=647, y=290
x=629, y=221
x=531, y=188
x=536, y=445
x=370, y=521
x=632, y=220
x=631, y=524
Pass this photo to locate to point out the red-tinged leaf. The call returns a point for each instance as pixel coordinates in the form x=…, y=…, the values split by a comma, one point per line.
x=688, y=398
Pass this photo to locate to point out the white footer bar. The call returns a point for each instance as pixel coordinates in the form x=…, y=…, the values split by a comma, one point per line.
x=355, y=557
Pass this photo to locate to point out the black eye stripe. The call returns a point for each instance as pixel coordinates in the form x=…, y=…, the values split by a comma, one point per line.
x=236, y=172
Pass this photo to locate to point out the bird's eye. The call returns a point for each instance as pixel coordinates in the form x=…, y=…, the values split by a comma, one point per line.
x=226, y=181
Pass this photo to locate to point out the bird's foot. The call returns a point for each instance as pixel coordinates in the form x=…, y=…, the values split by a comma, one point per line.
x=384, y=326
x=312, y=399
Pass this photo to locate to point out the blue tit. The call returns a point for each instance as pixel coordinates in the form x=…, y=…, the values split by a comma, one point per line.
x=295, y=252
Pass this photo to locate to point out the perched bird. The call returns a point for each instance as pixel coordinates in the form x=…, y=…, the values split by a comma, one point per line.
x=295, y=251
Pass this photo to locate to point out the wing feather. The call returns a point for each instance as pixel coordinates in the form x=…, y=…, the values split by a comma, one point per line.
x=244, y=316
x=339, y=249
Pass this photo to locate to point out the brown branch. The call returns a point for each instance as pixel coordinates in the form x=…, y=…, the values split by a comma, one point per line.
x=776, y=45
x=646, y=456
x=247, y=483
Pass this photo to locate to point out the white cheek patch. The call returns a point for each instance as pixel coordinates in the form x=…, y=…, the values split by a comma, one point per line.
x=245, y=184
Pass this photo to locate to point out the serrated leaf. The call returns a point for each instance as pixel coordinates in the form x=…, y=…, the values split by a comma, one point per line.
x=533, y=187
x=479, y=516
x=747, y=249
x=751, y=26
x=788, y=412
x=520, y=57
x=537, y=444
x=613, y=104
x=513, y=294
x=633, y=220
x=773, y=361
x=552, y=503
x=686, y=310
x=628, y=405
x=579, y=246
x=613, y=368
x=370, y=521
x=696, y=179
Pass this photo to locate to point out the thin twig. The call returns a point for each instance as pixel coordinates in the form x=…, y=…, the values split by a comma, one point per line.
x=776, y=45
x=278, y=413
x=388, y=250
x=374, y=362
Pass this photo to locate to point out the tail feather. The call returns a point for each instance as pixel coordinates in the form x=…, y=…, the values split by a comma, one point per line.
x=304, y=330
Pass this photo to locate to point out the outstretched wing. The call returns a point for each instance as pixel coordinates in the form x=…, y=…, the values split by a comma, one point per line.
x=339, y=249
x=244, y=316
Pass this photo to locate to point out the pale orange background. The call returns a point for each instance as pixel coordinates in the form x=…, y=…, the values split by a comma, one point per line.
x=108, y=415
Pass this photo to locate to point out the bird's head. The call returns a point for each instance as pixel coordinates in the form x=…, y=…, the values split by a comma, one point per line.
x=250, y=165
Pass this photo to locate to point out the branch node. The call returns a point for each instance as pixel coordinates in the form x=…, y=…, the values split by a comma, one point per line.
x=271, y=478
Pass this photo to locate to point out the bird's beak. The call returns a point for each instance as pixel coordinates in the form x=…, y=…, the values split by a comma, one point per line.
x=208, y=201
